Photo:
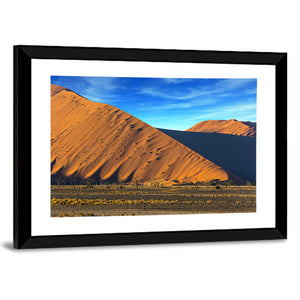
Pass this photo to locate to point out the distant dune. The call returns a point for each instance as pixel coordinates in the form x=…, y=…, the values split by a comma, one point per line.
x=98, y=140
x=236, y=154
x=232, y=126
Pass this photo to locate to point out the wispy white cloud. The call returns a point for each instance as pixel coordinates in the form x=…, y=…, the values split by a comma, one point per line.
x=177, y=94
x=174, y=105
x=240, y=111
x=101, y=83
x=240, y=107
x=230, y=84
x=223, y=88
x=100, y=89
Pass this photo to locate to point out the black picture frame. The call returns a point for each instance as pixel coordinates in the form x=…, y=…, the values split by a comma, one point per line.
x=23, y=56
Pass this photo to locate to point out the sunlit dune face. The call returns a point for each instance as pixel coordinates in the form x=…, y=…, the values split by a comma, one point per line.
x=98, y=140
x=233, y=127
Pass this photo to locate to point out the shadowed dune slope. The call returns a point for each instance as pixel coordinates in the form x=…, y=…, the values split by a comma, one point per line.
x=232, y=126
x=98, y=140
x=237, y=154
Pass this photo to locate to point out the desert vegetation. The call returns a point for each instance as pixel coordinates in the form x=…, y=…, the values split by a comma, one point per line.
x=154, y=198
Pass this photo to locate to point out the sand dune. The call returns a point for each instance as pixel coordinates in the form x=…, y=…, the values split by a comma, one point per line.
x=232, y=126
x=236, y=154
x=98, y=140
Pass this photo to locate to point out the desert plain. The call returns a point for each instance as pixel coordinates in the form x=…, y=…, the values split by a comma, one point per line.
x=131, y=200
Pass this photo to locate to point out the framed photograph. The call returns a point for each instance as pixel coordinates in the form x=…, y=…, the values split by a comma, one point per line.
x=142, y=146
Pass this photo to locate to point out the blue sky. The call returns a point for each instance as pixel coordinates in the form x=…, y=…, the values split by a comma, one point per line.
x=170, y=103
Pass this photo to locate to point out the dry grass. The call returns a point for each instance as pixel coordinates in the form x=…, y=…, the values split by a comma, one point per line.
x=143, y=200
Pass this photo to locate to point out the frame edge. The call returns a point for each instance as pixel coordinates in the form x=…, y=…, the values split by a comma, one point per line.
x=146, y=238
x=281, y=145
x=151, y=54
x=22, y=147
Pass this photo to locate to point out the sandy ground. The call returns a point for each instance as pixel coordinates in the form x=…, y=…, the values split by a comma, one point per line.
x=104, y=201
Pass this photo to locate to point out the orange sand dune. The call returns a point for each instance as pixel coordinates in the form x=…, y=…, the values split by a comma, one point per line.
x=98, y=140
x=232, y=126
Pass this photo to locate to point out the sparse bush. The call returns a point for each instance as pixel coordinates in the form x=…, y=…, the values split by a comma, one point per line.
x=156, y=183
x=58, y=181
x=74, y=178
x=229, y=182
x=214, y=182
x=89, y=182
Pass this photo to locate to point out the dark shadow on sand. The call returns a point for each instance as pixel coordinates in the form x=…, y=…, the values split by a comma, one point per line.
x=236, y=154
